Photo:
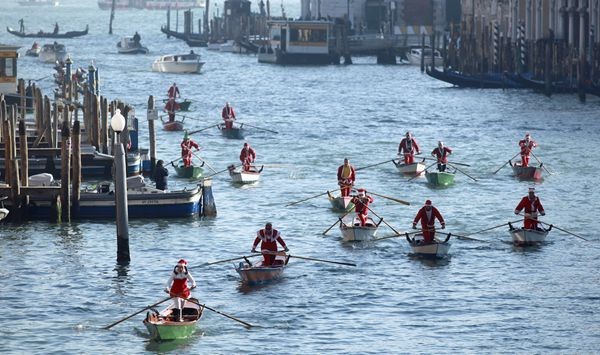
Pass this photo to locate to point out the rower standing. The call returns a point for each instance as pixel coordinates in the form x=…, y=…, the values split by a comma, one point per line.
x=173, y=91
x=408, y=147
x=247, y=156
x=228, y=115
x=268, y=237
x=361, y=206
x=346, y=175
x=427, y=215
x=186, y=149
x=527, y=146
x=441, y=152
x=171, y=107
x=177, y=286
x=532, y=206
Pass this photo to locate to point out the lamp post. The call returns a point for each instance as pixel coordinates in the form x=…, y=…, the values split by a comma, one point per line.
x=117, y=123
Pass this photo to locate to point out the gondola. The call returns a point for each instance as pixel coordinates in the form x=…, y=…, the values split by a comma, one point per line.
x=478, y=81
x=42, y=34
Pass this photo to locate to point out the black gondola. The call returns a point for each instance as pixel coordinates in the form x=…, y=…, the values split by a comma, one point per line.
x=42, y=34
x=479, y=81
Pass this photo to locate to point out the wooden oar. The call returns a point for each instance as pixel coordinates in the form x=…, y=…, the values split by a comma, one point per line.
x=372, y=165
x=336, y=222
x=455, y=163
x=386, y=223
x=462, y=236
x=204, y=161
x=391, y=198
x=203, y=129
x=566, y=231
x=508, y=161
x=311, y=259
x=419, y=174
x=539, y=161
x=224, y=261
x=246, y=324
x=262, y=129
x=138, y=312
x=306, y=199
x=461, y=171
x=489, y=229
x=222, y=171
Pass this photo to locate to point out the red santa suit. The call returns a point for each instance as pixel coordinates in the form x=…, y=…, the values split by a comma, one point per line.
x=531, y=207
x=408, y=147
x=361, y=206
x=427, y=218
x=268, y=240
x=527, y=146
x=247, y=157
x=177, y=286
x=346, y=175
x=173, y=92
x=441, y=155
x=171, y=107
x=228, y=116
x=186, y=151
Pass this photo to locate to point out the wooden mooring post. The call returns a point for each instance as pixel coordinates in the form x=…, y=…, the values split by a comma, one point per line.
x=65, y=169
x=152, y=134
x=76, y=184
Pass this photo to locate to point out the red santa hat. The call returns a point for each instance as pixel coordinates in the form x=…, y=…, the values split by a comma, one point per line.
x=428, y=203
x=182, y=263
x=527, y=135
x=532, y=189
x=246, y=144
x=361, y=191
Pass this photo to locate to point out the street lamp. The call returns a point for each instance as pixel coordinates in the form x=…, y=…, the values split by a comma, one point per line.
x=117, y=123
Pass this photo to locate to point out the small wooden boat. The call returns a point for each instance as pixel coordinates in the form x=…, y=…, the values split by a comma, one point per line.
x=191, y=172
x=354, y=232
x=340, y=203
x=128, y=46
x=42, y=34
x=440, y=178
x=526, y=173
x=527, y=237
x=245, y=177
x=233, y=132
x=437, y=249
x=165, y=325
x=257, y=273
x=173, y=126
x=183, y=105
x=410, y=169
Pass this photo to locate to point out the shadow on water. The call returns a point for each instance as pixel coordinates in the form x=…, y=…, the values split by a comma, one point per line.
x=121, y=278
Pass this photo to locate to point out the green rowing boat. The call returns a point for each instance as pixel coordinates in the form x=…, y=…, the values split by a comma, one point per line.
x=439, y=178
x=190, y=172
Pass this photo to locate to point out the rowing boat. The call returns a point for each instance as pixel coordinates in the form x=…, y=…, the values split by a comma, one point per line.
x=233, y=132
x=526, y=173
x=354, y=232
x=257, y=273
x=528, y=237
x=340, y=203
x=188, y=172
x=165, y=325
x=183, y=105
x=241, y=176
x=173, y=125
x=437, y=249
x=440, y=178
x=410, y=169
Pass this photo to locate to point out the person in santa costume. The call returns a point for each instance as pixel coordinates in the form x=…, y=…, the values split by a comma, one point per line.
x=346, y=175
x=171, y=107
x=228, y=115
x=173, y=92
x=532, y=206
x=186, y=149
x=177, y=286
x=427, y=215
x=268, y=239
x=441, y=153
x=247, y=156
x=527, y=146
x=408, y=147
x=361, y=205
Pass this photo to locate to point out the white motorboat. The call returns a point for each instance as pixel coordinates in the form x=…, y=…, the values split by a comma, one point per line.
x=34, y=51
x=128, y=46
x=352, y=231
x=51, y=53
x=437, y=249
x=415, y=54
x=178, y=63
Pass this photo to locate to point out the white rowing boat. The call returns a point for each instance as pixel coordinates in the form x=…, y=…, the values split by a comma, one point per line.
x=437, y=249
x=352, y=231
x=240, y=176
x=527, y=237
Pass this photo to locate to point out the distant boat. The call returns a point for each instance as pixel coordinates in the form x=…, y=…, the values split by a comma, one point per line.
x=34, y=51
x=178, y=63
x=151, y=4
x=107, y=4
x=51, y=53
x=42, y=34
x=38, y=2
x=128, y=46
x=415, y=55
x=477, y=81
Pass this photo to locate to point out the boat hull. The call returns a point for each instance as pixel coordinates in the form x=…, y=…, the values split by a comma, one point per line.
x=339, y=203
x=177, y=67
x=410, y=169
x=137, y=50
x=435, y=250
x=257, y=274
x=354, y=232
x=525, y=237
x=190, y=172
x=232, y=133
x=244, y=177
x=165, y=325
x=481, y=81
x=438, y=178
x=526, y=173
x=173, y=126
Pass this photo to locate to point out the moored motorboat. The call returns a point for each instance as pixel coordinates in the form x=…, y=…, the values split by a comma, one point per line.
x=527, y=237
x=240, y=176
x=340, y=203
x=415, y=55
x=410, y=169
x=352, y=231
x=178, y=63
x=526, y=173
x=437, y=249
x=127, y=45
x=165, y=325
x=257, y=273
x=440, y=178
x=188, y=172
x=34, y=51
x=233, y=132
x=51, y=53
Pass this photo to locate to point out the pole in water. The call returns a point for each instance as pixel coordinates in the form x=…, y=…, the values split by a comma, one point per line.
x=118, y=125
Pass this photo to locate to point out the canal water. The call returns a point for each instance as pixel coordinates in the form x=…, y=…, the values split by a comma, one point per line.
x=61, y=284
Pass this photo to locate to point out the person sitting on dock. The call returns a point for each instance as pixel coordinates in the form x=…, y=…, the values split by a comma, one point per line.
x=173, y=92
x=137, y=38
x=441, y=153
x=527, y=146
x=228, y=115
x=171, y=107
x=361, y=205
x=247, y=156
x=186, y=149
x=177, y=286
x=407, y=147
x=268, y=239
x=427, y=215
x=532, y=206
x=346, y=175
x=160, y=175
